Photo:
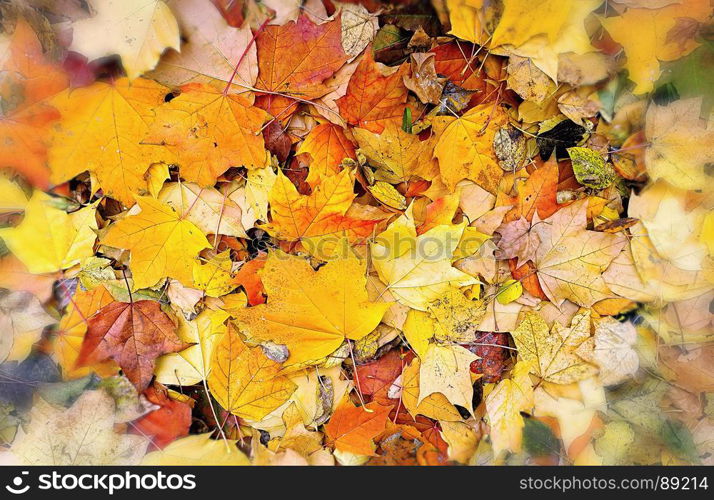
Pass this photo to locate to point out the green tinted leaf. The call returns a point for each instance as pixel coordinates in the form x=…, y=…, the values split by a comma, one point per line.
x=407, y=120
x=538, y=439
x=590, y=168
x=679, y=440
x=693, y=76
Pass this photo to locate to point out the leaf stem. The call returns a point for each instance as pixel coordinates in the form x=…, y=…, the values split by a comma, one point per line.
x=245, y=52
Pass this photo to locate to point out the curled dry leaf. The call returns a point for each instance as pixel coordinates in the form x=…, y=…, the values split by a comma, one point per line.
x=359, y=27
x=424, y=81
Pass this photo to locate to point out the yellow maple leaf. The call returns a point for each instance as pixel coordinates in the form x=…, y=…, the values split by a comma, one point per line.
x=456, y=317
x=446, y=369
x=198, y=449
x=156, y=175
x=504, y=406
x=465, y=147
x=528, y=81
x=297, y=437
x=12, y=197
x=193, y=364
x=418, y=329
x=48, y=239
x=396, y=154
x=450, y=318
x=645, y=36
x=234, y=302
x=471, y=19
x=162, y=244
x=244, y=381
x=554, y=354
x=137, y=30
x=213, y=275
x=417, y=270
x=388, y=195
x=101, y=130
x=561, y=31
x=327, y=145
x=679, y=144
x=516, y=25
x=435, y=405
x=258, y=185
x=312, y=312
x=462, y=439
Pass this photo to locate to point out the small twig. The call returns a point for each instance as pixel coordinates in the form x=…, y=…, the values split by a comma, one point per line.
x=128, y=288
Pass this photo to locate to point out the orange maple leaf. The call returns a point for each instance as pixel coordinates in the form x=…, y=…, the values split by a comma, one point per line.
x=327, y=146
x=209, y=132
x=375, y=378
x=28, y=68
x=278, y=106
x=372, y=99
x=457, y=62
x=248, y=277
x=170, y=421
x=295, y=58
x=537, y=193
x=526, y=274
x=68, y=339
x=353, y=428
x=323, y=213
x=101, y=129
x=24, y=129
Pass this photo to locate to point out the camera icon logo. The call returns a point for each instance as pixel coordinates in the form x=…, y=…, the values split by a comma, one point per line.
x=16, y=488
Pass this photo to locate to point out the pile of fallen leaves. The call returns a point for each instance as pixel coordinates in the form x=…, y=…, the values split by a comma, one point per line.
x=322, y=232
